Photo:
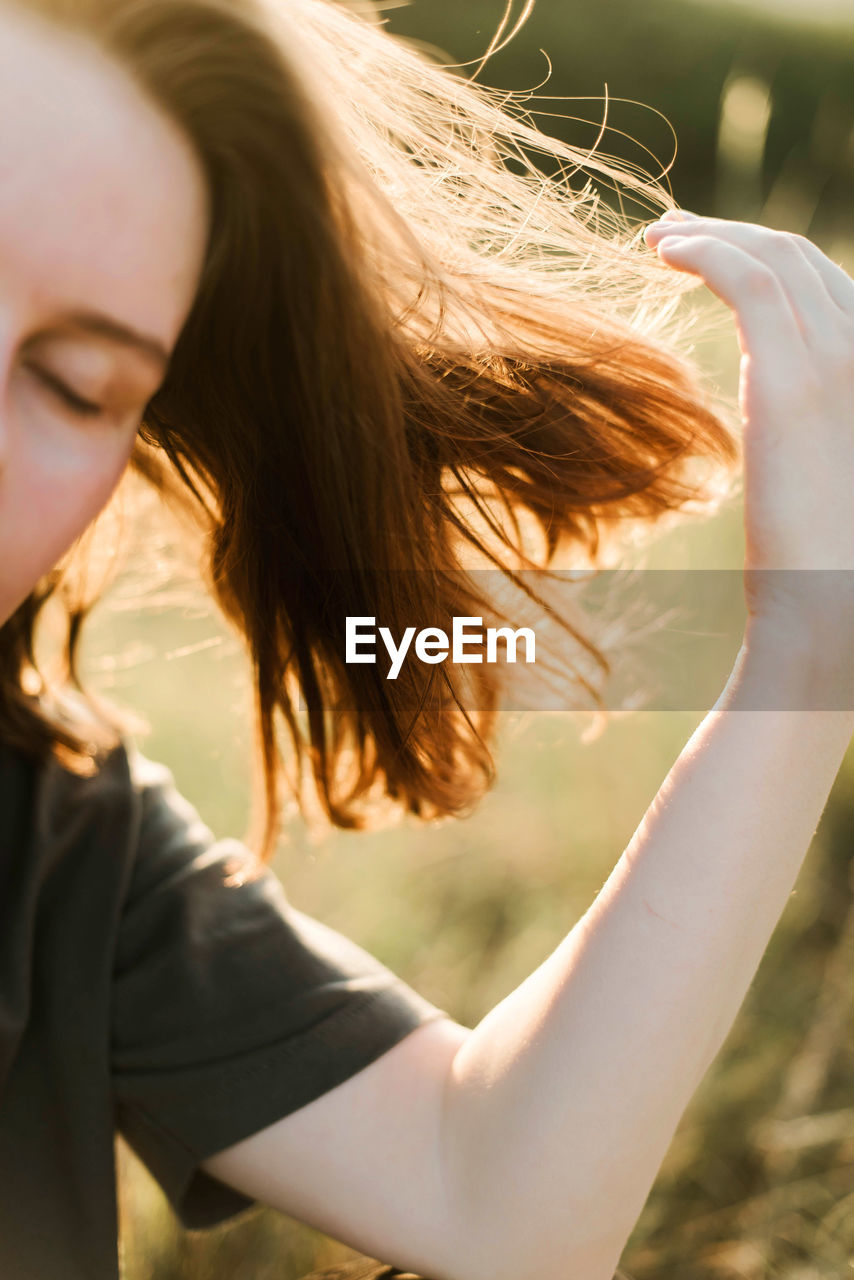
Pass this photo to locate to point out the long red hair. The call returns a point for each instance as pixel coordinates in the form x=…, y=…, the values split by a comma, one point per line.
x=397, y=334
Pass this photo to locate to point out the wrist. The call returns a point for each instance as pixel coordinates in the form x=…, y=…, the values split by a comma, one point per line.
x=796, y=662
x=802, y=609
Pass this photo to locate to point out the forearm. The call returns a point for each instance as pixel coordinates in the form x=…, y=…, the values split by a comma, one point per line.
x=562, y=1102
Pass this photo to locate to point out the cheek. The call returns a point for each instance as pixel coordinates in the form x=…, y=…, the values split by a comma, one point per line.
x=47, y=500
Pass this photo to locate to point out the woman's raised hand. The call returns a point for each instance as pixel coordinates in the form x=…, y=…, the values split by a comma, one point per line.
x=794, y=312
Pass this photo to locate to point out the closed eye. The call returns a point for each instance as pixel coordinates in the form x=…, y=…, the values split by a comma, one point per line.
x=85, y=408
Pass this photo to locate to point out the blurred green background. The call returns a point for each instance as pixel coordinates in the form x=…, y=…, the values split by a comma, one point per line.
x=759, y=1180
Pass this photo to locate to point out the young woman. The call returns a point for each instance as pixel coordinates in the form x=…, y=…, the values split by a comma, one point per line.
x=272, y=260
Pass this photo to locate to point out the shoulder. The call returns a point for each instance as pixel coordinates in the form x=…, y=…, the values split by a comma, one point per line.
x=122, y=807
x=42, y=798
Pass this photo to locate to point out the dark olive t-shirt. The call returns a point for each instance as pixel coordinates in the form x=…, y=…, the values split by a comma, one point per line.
x=151, y=984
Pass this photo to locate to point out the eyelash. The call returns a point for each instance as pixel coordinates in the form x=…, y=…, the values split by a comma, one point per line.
x=83, y=408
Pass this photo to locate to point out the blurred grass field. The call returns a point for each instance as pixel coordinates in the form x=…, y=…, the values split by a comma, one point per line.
x=759, y=1180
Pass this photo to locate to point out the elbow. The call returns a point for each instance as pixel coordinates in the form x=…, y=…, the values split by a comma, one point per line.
x=506, y=1238
x=498, y=1227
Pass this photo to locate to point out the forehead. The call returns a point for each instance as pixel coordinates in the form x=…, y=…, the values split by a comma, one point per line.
x=102, y=201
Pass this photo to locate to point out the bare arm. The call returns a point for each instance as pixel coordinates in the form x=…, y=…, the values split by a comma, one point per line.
x=564, y=1099
x=525, y=1148
x=559, y=1106
x=562, y=1102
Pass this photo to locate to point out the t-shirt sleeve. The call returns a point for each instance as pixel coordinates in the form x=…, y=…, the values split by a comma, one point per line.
x=231, y=1008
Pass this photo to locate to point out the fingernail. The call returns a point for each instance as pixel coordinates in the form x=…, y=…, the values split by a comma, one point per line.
x=672, y=215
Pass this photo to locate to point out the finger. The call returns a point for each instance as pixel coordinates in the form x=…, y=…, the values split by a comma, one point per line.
x=837, y=281
x=808, y=295
x=766, y=321
x=678, y=215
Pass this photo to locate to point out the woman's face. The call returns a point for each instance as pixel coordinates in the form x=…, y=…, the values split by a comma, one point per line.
x=103, y=223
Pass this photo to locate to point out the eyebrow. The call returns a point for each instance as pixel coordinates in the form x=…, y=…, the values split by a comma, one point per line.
x=105, y=326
